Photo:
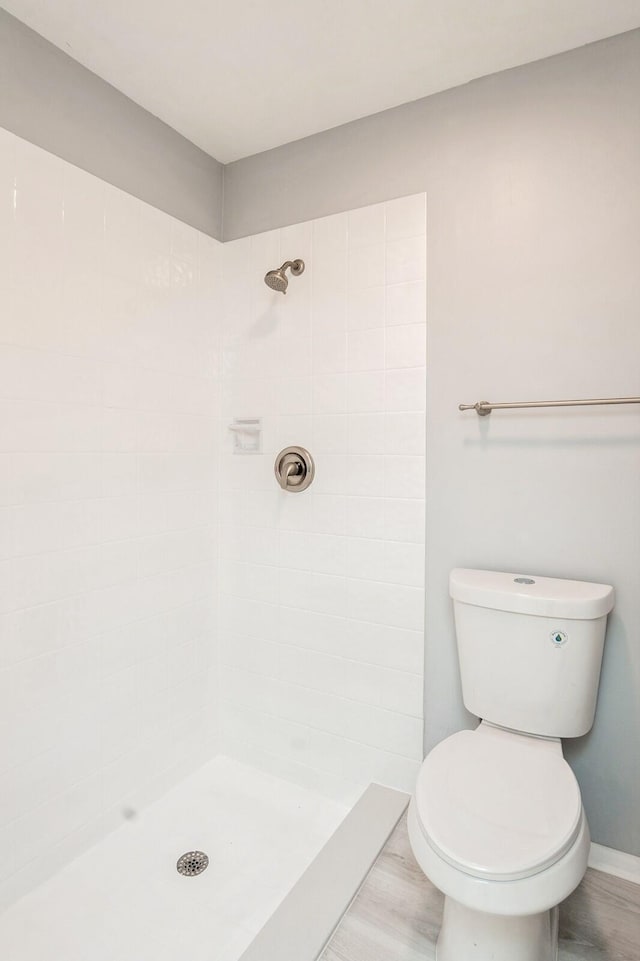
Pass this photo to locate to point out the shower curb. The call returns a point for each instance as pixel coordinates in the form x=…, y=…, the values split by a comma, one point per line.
x=301, y=926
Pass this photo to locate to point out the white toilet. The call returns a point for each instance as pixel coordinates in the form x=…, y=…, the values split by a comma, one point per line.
x=496, y=821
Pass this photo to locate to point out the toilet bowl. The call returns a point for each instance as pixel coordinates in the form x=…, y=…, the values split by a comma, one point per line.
x=497, y=824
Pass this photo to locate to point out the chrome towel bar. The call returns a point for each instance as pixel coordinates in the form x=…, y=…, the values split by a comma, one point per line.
x=484, y=407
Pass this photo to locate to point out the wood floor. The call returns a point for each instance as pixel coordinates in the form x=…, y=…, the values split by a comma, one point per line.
x=396, y=915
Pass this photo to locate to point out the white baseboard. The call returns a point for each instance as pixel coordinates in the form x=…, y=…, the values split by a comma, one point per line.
x=614, y=862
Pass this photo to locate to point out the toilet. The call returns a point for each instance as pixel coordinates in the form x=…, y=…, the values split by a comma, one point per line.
x=496, y=820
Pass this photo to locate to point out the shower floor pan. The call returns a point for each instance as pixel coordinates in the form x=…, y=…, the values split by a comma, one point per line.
x=124, y=900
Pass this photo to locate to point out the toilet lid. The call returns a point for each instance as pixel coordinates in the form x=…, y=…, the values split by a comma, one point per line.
x=498, y=805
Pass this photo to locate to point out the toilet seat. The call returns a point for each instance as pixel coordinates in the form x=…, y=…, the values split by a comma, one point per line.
x=498, y=805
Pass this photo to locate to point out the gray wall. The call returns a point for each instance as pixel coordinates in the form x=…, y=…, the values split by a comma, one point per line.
x=533, y=191
x=54, y=102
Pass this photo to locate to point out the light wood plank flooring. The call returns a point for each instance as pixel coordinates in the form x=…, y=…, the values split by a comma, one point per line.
x=396, y=915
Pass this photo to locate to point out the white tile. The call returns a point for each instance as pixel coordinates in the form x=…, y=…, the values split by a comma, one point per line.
x=365, y=391
x=406, y=389
x=117, y=279
x=404, y=476
x=330, y=513
x=361, y=641
x=329, y=304
x=367, y=265
x=329, y=351
x=366, y=558
x=404, y=520
x=366, y=308
x=42, y=375
x=330, y=232
x=119, y=430
x=366, y=226
x=294, y=395
x=406, y=260
x=330, y=478
x=367, y=433
x=330, y=433
x=323, y=593
x=329, y=393
x=405, y=346
x=404, y=564
x=406, y=304
x=365, y=475
x=55, y=819
x=55, y=526
x=406, y=217
x=405, y=433
x=365, y=516
x=365, y=349
x=392, y=604
x=323, y=553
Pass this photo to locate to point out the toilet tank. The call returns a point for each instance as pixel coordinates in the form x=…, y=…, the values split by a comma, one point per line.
x=530, y=649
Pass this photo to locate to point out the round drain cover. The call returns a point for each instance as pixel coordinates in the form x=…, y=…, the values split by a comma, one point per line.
x=192, y=863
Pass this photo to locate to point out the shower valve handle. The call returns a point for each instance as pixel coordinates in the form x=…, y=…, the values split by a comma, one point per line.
x=294, y=469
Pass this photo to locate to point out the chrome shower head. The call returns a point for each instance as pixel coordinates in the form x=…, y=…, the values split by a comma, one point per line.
x=278, y=280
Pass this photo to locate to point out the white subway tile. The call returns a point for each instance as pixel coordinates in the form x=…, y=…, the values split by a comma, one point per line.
x=366, y=308
x=366, y=226
x=406, y=260
x=404, y=476
x=329, y=393
x=404, y=520
x=330, y=434
x=329, y=351
x=330, y=513
x=367, y=266
x=404, y=563
x=35, y=374
x=365, y=391
x=394, y=605
x=406, y=346
x=366, y=558
x=366, y=433
x=56, y=526
x=365, y=349
x=329, y=231
x=324, y=553
x=406, y=389
x=406, y=304
x=365, y=475
x=405, y=433
x=365, y=516
x=54, y=820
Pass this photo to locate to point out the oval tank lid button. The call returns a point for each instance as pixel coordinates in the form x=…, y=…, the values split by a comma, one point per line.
x=523, y=580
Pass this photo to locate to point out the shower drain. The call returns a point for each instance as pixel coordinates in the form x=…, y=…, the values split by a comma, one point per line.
x=192, y=863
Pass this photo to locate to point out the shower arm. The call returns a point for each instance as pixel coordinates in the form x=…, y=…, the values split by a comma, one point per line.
x=296, y=266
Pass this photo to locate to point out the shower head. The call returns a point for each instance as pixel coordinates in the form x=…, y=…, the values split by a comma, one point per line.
x=278, y=280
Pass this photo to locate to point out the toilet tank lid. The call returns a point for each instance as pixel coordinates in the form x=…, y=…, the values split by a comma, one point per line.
x=530, y=594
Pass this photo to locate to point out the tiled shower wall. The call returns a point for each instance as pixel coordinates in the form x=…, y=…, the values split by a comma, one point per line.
x=108, y=494
x=114, y=329
x=322, y=592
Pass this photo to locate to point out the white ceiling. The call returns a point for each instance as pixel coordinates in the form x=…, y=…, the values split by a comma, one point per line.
x=238, y=78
